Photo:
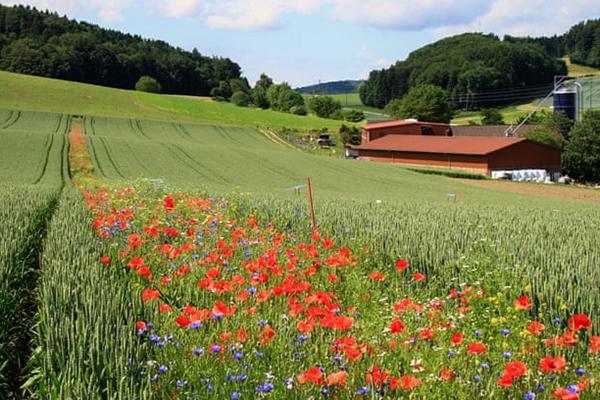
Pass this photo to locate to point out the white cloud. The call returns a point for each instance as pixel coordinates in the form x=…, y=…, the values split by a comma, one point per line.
x=527, y=18
x=245, y=15
x=108, y=10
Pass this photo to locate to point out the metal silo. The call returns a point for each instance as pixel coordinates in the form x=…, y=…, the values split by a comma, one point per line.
x=566, y=99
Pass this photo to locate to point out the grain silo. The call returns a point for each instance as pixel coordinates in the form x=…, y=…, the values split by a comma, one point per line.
x=566, y=99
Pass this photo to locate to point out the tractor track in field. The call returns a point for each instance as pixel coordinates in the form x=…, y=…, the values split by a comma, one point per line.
x=276, y=139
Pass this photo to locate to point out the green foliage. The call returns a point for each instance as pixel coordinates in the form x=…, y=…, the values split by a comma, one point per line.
x=350, y=135
x=465, y=66
x=544, y=136
x=221, y=92
x=353, y=115
x=425, y=103
x=240, y=99
x=328, y=88
x=324, y=106
x=45, y=44
x=581, y=158
x=148, y=84
x=283, y=98
x=491, y=116
x=298, y=110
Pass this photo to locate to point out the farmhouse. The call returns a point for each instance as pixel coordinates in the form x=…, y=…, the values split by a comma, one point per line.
x=476, y=154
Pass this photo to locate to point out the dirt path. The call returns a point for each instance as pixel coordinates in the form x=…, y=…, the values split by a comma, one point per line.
x=554, y=191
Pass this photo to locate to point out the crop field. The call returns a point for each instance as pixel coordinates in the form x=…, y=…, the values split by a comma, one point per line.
x=180, y=265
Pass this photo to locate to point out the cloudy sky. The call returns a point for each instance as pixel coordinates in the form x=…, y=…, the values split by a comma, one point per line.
x=306, y=41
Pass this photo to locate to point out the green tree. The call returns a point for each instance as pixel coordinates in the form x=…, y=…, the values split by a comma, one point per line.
x=324, y=106
x=240, y=99
x=545, y=136
x=259, y=93
x=491, y=116
x=581, y=158
x=147, y=84
x=353, y=115
x=426, y=103
x=350, y=135
x=283, y=98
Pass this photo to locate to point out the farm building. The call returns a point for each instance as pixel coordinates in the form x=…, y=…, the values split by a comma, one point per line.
x=378, y=130
x=373, y=131
x=476, y=154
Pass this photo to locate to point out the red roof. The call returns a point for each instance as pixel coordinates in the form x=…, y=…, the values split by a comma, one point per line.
x=440, y=144
x=392, y=124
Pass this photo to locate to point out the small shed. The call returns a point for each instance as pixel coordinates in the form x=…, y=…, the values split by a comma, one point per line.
x=476, y=154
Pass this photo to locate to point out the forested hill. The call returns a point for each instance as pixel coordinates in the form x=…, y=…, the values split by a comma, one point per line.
x=46, y=44
x=337, y=87
x=581, y=43
x=466, y=66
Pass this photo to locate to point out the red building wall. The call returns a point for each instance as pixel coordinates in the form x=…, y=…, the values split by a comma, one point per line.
x=477, y=163
x=369, y=134
x=526, y=155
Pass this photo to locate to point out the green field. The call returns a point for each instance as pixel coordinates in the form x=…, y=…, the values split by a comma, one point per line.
x=79, y=314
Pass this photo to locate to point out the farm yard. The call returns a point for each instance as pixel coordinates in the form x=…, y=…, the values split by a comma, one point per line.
x=150, y=259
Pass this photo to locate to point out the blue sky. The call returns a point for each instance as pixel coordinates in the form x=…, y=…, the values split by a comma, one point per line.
x=305, y=41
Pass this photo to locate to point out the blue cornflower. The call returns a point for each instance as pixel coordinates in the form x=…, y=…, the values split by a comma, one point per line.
x=198, y=351
x=236, y=395
x=163, y=368
x=302, y=338
x=506, y=355
x=210, y=388
x=260, y=354
x=529, y=395
x=477, y=333
x=477, y=378
x=363, y=390
x=573, y=389
x=238, y=356
x=505, y=331
x=580, y=371
x=181, y=383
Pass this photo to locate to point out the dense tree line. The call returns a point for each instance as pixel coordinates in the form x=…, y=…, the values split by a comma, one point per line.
x=581, y=43
x=467, y=67
x=46, y=44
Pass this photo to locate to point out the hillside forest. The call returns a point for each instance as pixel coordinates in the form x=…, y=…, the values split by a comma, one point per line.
x=46, y=44
x=481, y=71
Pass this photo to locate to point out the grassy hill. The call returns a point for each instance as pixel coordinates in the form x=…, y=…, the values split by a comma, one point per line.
x=24, y=92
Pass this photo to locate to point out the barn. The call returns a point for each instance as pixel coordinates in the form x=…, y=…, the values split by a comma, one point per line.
x=374, y=131
x=475, y=154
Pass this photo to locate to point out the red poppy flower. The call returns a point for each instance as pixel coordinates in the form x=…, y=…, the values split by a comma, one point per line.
x=552, y=364
x=457, y=338
x=506, y=380
x=409, y=382
x=476, y=348
x=594, y=344
x=522, y=303
x=447, y=374
x=313, y=375
x=536, y=327
x=105, y=260
x=164, y=308
x=337, y=378
x=135, y=263
x=242, y=335
x=579, y=321
x=183, y=321
x=377, y=276
x=419, y=277
x=516, y=369
x=169, y=203
x=397, y=326
x=149, y=294
x=266, y=335
x=401, y=265
x=140, y=325
x=225, y=336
